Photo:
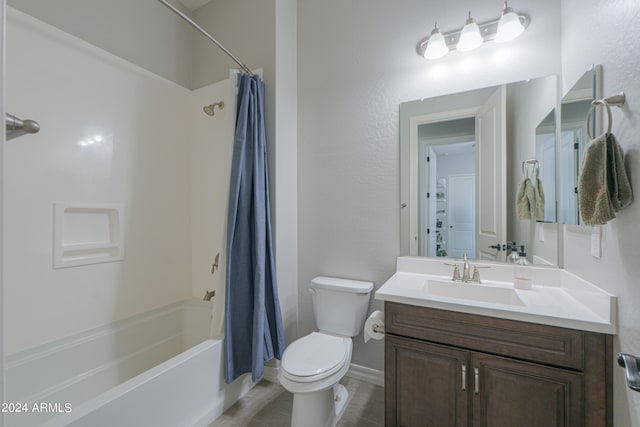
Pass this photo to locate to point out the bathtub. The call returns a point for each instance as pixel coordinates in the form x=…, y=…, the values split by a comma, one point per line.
x=158, y=368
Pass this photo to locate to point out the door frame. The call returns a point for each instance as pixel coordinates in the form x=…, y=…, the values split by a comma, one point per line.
x=414, y=158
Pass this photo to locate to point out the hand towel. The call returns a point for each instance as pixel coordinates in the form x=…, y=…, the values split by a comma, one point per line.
x=603, y=184
x=525, y=199
x=539, y=198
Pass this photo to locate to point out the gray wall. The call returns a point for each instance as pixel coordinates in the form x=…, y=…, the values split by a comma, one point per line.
x=618, y=270
x=356, y=64
x=141, y=31
x=245, y=27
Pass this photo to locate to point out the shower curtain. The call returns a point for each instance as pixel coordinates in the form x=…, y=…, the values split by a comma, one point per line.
x=253, y=323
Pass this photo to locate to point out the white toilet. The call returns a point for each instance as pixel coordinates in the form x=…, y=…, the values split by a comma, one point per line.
x=313, y=365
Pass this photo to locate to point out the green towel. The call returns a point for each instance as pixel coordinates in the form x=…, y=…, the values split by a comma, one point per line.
x=530, y=200
x=603, y=184
x=525, y=200
x=539, y=192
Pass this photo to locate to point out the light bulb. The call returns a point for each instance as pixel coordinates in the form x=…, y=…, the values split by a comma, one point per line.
x=436, y=46
x=470, y=37
x=509, y=26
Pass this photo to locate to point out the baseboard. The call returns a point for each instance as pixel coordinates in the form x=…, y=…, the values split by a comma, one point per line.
x=270, y=373
x=367, y=375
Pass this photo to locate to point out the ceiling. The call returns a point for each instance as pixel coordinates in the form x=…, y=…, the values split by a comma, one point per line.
x=194, y=4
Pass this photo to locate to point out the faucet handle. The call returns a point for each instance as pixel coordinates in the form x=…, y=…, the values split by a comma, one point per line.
x=476, y=272
x=456, y=274
x=456, y=271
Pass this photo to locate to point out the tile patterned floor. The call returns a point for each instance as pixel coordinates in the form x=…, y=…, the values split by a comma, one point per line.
x=269, y=405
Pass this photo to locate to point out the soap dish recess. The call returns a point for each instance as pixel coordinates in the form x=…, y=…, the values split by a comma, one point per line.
x=86, y=234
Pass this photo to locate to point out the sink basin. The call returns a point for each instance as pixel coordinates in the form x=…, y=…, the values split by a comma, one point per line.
x=473, y=292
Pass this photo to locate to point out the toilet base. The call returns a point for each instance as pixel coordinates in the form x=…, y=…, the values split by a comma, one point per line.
x=322, y=408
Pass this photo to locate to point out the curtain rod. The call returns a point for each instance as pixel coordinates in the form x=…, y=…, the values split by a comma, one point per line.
x=207, y=35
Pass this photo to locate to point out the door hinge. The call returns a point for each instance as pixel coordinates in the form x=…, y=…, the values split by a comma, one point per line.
x=575, y=190
x=576, y=145
x=428, y=194
x=428, y=159
x=428, y=231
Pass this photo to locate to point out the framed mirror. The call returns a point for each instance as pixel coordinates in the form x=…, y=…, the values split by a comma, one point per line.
x=574, y=108
x=462, y=158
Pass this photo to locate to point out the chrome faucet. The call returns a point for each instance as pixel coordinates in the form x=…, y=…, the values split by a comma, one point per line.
x=467, y=275
x=465, y=269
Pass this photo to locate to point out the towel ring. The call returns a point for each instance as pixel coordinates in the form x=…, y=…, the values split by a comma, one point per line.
x=615, y=100
x=525, y=168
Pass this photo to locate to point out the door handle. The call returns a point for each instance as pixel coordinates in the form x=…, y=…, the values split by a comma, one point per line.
x=476, y=377
x=496, y=247
x=464, y=377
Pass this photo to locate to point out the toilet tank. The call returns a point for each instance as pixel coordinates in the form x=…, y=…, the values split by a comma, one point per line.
x=340, y=305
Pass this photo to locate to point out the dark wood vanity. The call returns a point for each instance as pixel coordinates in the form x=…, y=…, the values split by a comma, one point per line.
x=453, y=369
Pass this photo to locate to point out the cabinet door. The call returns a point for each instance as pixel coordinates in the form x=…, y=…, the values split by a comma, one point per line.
x=509, y=393
x=425, y=384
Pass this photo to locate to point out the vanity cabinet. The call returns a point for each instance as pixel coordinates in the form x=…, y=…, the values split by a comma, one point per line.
x=445, y=368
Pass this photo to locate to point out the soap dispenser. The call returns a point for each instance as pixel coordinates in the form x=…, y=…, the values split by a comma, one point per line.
x=513, y=256
x=522, y=271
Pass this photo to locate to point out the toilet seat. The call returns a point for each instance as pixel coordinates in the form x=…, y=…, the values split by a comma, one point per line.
x=314, y=357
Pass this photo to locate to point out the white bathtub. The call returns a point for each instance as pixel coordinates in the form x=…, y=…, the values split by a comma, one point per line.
x=155, y=369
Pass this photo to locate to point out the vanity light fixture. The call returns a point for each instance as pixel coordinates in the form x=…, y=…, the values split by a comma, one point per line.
x=436, y=46
x=507, y=27
x=470, y=37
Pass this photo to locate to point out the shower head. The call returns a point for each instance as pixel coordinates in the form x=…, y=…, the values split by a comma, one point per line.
x=210, y=109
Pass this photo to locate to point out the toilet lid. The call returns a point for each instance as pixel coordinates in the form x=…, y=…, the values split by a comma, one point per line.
x=314, y=354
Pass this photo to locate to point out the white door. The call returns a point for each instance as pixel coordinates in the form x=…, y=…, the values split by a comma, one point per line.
x=461, y=206
x=491, y=200
x=546, y=155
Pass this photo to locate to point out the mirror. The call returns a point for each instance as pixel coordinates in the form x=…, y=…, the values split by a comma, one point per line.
x=462, y=161
x=544, y=164
x=574, y=108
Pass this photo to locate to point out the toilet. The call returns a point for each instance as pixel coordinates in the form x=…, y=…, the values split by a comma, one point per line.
x=313, y=365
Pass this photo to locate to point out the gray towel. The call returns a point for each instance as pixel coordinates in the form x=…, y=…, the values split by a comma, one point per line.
x=603, y=184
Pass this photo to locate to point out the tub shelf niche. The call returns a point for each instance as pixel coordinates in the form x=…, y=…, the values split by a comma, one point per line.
x=86, y=234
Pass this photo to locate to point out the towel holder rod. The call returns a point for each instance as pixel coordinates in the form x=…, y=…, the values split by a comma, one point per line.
x=617, y=100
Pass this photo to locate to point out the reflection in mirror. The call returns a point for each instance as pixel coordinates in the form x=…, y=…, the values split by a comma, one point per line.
x=546, y=163
x=573, y=113
x=461, y=164
x=448, y=172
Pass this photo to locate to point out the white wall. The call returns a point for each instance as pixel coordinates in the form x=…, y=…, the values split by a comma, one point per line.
x=76, y=91
x=618, y=270
x=3, y=321
x=459, y=163
x=284, y=163
x=356, y=64
x=145, y=32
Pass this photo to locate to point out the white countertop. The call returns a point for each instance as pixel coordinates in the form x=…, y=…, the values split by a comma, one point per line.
x=558, y=298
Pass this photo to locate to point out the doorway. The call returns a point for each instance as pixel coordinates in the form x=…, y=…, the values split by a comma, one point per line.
x=447, y=200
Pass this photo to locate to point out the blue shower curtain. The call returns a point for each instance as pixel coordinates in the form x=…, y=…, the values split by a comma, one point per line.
x=253, y=323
